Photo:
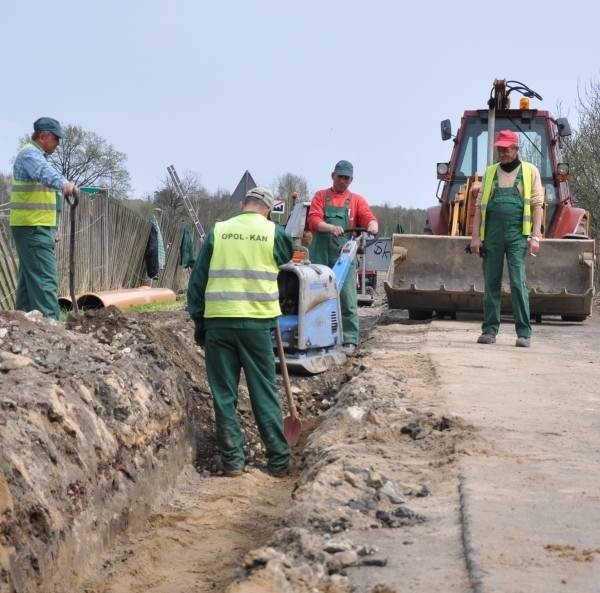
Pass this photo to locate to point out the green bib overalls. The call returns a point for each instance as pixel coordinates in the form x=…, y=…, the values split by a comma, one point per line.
x=38, y=272
x=504, y=235
x=325, y=249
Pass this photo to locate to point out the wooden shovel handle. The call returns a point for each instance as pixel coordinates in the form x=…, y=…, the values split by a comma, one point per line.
x=284, y=372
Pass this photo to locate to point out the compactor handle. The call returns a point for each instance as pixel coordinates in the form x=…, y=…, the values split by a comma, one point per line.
x=366, y=242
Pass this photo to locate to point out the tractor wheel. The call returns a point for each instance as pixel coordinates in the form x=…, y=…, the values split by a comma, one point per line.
x=444, y=314
x=574, y=318
x=420, y=314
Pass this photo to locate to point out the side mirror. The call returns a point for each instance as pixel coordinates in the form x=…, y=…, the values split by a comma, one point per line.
x=446, y=128
x=564, y=129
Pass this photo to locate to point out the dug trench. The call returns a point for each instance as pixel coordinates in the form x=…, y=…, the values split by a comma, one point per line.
x=110, y=482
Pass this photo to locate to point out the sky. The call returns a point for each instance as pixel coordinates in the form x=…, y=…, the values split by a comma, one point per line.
x=221, y=87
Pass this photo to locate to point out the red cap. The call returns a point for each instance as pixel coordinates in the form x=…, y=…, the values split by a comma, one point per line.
x=506, y=138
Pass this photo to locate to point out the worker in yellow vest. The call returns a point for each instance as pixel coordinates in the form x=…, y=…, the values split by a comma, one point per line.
x=233, y=298
x=35, y=206
x=507, y=221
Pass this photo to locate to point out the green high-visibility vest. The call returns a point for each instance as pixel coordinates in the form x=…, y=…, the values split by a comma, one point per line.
x=242, y=276
x=32, y=203
x=490, y=174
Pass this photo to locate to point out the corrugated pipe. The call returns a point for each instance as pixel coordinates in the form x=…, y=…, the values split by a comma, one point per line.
x=64, y=302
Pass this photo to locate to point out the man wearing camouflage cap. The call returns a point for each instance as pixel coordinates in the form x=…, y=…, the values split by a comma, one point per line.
x=35, y=205
x=233, y=298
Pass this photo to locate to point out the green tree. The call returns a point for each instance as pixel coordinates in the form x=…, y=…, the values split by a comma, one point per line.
x=411, y=220
x=87, y=159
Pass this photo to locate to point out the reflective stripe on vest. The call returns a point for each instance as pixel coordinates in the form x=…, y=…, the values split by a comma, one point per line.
x=242, y=276
x=32, y=203
x=490, y=174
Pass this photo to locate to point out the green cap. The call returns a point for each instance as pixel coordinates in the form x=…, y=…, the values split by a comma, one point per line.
x=48, y=124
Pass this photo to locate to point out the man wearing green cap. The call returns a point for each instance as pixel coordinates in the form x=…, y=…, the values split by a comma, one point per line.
x=35, y=205
x=332, y=212
x=233, y=298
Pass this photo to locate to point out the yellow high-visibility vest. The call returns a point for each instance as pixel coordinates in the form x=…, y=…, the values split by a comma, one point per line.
x=32, y=203
x=490, y=174
x=242, y=276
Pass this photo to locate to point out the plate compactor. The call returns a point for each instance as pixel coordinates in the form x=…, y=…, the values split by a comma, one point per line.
x=311, y=321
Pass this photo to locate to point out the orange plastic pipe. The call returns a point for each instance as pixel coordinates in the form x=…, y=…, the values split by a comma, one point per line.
x=125, y=297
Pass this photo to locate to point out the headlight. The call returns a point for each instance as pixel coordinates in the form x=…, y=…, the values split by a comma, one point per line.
x=443, y=168
x=562, y=168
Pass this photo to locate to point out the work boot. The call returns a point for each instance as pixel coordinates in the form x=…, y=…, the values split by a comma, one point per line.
x=486, y=339
x=232, y=472
x=523, y=342
x=349, y=349
x=279, y=473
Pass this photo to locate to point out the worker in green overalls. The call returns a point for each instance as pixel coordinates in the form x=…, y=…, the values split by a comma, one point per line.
x=233, y=298
x=507, y=222
x=35, y=205
x=332, y=212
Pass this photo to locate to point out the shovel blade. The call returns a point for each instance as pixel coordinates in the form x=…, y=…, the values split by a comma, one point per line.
x=292, y=427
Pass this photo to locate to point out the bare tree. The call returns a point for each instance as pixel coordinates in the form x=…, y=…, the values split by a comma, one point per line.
x=167, y=199
x=582, y=152
x=87, y=159
x=209, y=208
x=289, y=186
x=5, y=182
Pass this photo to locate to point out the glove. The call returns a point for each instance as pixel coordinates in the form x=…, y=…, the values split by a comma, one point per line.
x=199, y=331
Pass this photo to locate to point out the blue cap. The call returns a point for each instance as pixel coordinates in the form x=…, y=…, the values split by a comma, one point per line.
x=344, y=168
x=48, y=124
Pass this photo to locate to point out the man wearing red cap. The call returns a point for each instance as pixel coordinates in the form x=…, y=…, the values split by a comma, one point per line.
x=507, y=220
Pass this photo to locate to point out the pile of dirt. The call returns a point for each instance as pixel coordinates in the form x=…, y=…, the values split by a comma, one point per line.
x=382, y=459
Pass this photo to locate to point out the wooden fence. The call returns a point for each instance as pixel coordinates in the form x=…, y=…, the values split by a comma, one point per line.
x=110, y=243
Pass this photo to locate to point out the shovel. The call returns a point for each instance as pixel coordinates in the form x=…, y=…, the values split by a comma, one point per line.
x=292, y=427
x=73, y=201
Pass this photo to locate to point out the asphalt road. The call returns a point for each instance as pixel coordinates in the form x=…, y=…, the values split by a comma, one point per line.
x=520, y=510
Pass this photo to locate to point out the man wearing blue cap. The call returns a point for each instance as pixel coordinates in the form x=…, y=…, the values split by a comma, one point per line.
x=35, y=205
x=332, y=212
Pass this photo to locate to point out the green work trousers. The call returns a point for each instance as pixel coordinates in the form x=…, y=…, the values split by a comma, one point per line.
x=504, y=235
x=227, y=351
x=38, y=273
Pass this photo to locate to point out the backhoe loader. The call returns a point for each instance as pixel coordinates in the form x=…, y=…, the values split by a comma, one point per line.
x=431, y=274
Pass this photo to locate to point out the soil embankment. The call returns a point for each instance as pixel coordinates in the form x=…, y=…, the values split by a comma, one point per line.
x=94, y=427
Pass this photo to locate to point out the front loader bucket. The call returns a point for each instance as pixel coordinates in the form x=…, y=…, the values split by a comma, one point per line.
x=430, y=273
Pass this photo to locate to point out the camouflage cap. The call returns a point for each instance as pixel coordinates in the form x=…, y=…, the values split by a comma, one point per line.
x=262, y=194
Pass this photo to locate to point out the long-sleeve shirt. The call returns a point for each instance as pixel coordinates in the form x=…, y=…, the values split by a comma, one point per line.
x=283, y=250
x=507, y=179
x=359, y=213
x=32, y=164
